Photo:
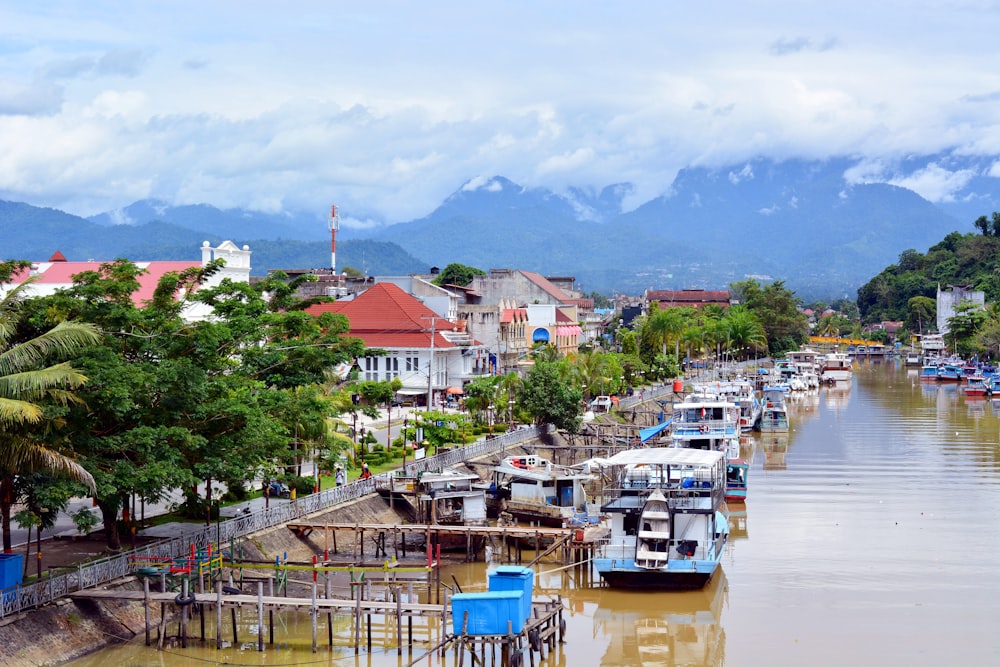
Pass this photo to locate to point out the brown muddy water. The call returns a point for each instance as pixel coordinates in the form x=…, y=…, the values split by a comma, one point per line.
x=867, y=539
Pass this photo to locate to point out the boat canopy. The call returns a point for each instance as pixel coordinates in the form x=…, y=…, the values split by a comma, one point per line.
x=647, y=433
x=667, y=456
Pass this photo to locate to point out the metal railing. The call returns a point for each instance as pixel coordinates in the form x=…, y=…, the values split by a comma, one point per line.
x=22, y=598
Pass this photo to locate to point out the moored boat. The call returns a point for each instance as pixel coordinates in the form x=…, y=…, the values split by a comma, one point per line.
x=533, y=489
x=775, y=415
x=667, y=528
x=835, y=366
x=737, y=471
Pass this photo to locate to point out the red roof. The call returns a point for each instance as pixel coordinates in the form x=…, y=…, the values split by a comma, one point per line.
x=513, y=315
x=689, y=296
x=386, y=316
x=542, y=283
x=57, y=256
x=61, y=273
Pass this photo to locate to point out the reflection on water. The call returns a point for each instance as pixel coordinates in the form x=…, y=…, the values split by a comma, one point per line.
x=656, y=630
x=873, y=544
x=774, y=446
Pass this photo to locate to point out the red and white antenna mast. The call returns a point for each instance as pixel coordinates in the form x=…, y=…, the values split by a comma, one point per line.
x=333, y=224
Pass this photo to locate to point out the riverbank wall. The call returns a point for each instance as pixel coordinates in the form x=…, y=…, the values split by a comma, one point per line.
x=69, y=629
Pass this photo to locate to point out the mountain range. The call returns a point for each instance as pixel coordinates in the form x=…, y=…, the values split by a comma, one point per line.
x=798, y=221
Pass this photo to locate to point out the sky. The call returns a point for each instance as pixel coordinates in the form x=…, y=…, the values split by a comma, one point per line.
x=387, y=108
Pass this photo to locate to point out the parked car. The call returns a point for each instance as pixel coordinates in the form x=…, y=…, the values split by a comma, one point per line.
x=601, y=404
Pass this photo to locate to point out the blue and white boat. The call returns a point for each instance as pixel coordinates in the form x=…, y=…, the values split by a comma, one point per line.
x=667, y=528
x=706, y=421
x=775, y=415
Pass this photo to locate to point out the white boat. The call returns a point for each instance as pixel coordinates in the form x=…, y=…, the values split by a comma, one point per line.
x=706, y=422
x=742, y=394
x=533, y=489
x=835, y=367
x=667, y=528
x=775, y=415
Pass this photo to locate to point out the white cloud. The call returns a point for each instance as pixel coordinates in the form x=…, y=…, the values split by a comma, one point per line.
x=934, y=183
x=388, y=108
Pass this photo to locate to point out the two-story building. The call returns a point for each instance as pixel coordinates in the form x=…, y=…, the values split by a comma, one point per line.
x=431, y=355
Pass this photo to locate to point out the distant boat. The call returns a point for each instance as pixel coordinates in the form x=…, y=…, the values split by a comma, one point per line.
x=835, y=367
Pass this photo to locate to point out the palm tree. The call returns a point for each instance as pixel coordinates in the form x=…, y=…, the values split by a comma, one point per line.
x=25, y=384
x=744, y=330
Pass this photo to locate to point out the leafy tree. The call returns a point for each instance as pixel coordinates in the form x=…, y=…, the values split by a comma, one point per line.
x=963, y=328
x=744, y=332
x=921, y=312
x=457, y=274
x=173, y=403
x=549, y=399
x=777, y=310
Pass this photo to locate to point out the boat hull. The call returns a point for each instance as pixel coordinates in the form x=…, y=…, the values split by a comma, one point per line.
x=687, y=576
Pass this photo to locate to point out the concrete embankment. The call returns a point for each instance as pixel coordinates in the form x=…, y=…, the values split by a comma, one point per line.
x=69, y=629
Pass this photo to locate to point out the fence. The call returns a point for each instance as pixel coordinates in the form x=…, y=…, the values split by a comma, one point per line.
x=23, y=598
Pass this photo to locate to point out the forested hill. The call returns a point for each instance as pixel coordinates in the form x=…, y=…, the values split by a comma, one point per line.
x=959, y=259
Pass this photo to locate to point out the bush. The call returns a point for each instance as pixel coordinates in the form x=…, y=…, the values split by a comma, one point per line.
x=302, y=485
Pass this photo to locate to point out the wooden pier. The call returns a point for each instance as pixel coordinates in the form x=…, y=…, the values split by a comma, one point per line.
x=540, y=633
x=505, y=540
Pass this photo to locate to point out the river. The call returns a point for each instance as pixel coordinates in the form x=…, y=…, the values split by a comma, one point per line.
x=867, y=539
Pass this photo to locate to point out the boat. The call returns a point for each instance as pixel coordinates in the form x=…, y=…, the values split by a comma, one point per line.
x=737, y=471
x=835, y=367
x=711, y=423
x=533, y=489
x=975, y=387
x=913, y=359
x=443, y=498
x=667, y=528
x=775, y=415
x=929, y=371
x=703, y=421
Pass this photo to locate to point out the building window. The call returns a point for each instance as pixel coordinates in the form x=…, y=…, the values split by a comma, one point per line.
x=371, y=369
x=410, y=363
x=391, y=367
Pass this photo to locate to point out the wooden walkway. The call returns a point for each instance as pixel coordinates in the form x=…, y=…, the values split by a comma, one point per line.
x=544, y=628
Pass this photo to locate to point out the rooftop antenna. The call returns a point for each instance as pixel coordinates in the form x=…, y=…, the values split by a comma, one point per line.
x=333, y=224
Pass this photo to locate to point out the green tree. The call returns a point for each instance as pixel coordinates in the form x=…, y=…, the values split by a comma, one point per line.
x=921, y=312
x=457, y=274
x=550, y=399
x=963, y=327
x=173, y=403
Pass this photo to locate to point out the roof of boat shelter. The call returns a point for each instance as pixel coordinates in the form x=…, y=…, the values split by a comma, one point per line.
x=667, y=456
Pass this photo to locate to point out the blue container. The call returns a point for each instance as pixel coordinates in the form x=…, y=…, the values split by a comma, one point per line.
x=11, y=569
x=515, y=578
x=489, y=613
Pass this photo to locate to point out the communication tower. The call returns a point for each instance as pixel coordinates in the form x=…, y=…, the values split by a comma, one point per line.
x=333, y=224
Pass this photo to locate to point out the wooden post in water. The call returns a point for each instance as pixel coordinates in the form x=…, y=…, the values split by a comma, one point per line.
x=260, y=615
x=368, y=616
x=201, y=608
x=409, y=619
x=314, y=613
x=357, y=617
x=184, y=594
x=218, y=613
x=270, y=612
x=329, y=614
x=145, y=605
x=399, y=621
